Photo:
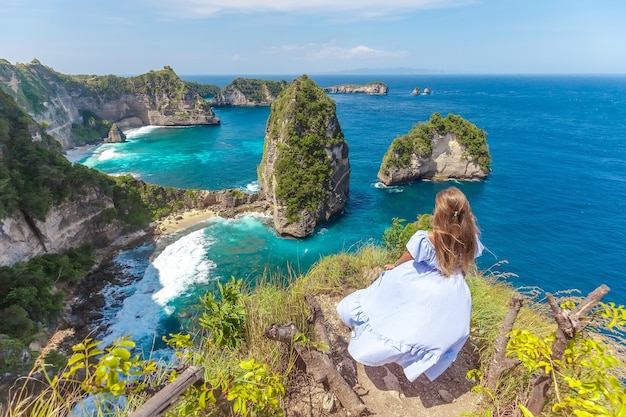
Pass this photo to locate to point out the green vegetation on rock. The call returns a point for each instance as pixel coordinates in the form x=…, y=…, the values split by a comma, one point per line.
x=203, y=90
x=92, y=130
x=419, y=141
x=252, y=88
x=300, y=116
x=34, y=176
x=27, y=295
x=35, y=88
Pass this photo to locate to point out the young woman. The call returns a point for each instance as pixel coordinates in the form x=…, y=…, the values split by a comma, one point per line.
x=417, y=313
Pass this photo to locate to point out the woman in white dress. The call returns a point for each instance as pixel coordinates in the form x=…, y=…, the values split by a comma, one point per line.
x=417, y=313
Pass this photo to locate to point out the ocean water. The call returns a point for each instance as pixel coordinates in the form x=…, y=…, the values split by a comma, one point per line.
x=552, y=213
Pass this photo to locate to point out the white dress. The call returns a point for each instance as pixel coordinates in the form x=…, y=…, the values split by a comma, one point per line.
x=411, y=315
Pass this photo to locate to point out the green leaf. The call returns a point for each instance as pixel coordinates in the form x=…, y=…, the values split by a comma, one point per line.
x=525, y=411
x=121, y=353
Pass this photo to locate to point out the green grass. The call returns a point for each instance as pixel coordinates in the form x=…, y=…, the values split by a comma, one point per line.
x=280, y=299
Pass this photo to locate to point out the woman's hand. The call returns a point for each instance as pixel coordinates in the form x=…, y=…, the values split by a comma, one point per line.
x=389, y=267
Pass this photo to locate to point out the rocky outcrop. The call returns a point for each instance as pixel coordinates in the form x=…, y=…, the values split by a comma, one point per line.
x=305, y=170
x=373, y=88
x=441, y=149
x=416, y=91
x=448, y=161
x=57, y=101
x=246, y=92
x=74, y=223
x=115, y=135
x=67, y=225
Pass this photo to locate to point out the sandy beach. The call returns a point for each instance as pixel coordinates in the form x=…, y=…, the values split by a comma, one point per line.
x=79, y=152
x=178, y=222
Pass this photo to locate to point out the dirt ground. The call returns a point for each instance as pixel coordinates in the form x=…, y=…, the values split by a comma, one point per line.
x=384, y=390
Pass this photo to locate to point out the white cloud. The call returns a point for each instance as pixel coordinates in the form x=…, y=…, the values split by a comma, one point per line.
x=204, y=8
x=331, y=51
x=236, y=57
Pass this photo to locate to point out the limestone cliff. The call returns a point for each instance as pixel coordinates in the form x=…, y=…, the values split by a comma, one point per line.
x=442, y=148
x=246, y=92
x=76, y=222
x=62, y=102
x=49, y=205
x=373, y=88
x=305, y=171
x=70, y=224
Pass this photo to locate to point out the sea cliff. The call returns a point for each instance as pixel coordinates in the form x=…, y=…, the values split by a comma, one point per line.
x=80, y=109
x=305, y=170
x=248, y=92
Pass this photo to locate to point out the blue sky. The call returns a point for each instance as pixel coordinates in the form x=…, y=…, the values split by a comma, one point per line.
x=256, y=37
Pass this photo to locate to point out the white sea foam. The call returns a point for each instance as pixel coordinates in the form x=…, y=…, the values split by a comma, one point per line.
x=388, y=188
x=140, y=131
x=107, y=154
x=178, y=268
x=133, y=174
x=253, y=187
x=181, y=265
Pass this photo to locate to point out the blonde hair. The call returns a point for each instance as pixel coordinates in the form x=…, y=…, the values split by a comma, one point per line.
x=455, y=232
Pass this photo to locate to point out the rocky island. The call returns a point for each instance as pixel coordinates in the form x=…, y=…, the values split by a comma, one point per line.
x=373, y=88
x=440, y=149
x=417, y=91
x=305, y=171
x=80, y=109
x=248, y=92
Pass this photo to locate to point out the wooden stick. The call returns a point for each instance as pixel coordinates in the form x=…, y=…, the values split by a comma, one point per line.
x=319, y=366
x=500, y=363
x=166, y=398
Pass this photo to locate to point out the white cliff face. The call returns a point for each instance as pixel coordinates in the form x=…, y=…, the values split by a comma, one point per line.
x=135, y=110
x=449, y=160
x=157, y=98
x=371, y=88
x=68, y=225
x=233, y=97
x=59, y=115
x=230, y=97
x=452, y=160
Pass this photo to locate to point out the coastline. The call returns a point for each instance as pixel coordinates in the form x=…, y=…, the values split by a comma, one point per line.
x=86, y=299
x=75, y=154
x=180, y=221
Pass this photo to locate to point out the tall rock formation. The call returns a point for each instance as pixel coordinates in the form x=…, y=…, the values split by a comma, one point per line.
x=305, y=171
x=248, y=92
x=63, y=103
x=440, y=149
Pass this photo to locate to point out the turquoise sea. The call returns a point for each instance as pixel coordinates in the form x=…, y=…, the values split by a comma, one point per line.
x=552, y=213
